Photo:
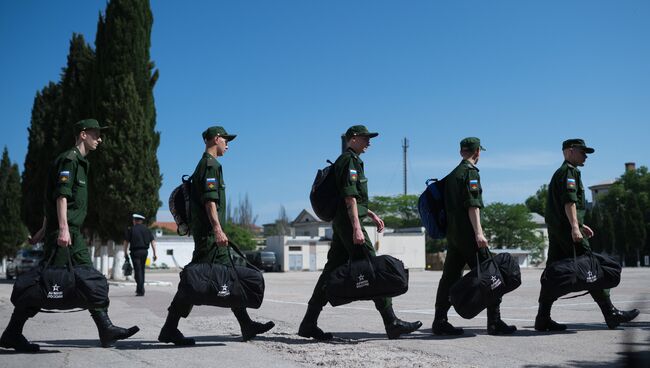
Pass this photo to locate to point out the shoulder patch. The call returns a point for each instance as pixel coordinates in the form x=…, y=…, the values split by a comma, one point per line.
x=211, y=183
x=571, y=183
x=64, y=176
x=353, y=175
x=473, y=184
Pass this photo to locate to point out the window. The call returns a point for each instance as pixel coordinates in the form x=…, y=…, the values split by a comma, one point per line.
x=295, y=249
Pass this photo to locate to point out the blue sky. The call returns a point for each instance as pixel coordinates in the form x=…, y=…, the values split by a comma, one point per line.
x=290, y=76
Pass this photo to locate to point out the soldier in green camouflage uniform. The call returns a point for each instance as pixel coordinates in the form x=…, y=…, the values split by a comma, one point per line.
x=208, y=215
x=65, y=211
x=349, y=236
x=565, y=210
x=463, y=201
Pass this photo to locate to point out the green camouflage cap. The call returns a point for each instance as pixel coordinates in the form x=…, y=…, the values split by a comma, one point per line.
x=217, y=131
x=87, y=124
x=359, y=130
x=471, y=144
x=577, y=143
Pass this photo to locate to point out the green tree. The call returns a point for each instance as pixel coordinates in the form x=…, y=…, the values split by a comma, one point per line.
x=240, y=235
x=635, y=227
x=76, y=84
x=12, y=230
x=397, y=211
x=625, y=212
x=510, y=226
x=537, y=203
x=126, y=176
x=44, y=133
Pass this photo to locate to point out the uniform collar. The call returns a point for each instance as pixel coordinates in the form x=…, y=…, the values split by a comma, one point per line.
x=79, y=155
x=354, y=154
x=469, y=164
x=208, y=156
x=570, y=165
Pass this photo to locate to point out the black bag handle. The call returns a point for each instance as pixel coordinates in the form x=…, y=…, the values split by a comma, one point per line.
x=70, y=267
x=478, y=264
x=366, y=253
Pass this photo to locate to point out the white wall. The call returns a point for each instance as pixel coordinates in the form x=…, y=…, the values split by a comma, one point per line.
x=183, y=248
x=408, y=247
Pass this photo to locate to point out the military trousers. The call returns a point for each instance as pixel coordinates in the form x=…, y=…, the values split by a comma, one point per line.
x=205, y=251
x=341, y=251
x=560, y=246
x=458, y=255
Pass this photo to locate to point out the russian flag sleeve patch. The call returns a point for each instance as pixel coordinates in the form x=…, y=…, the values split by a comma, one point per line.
x=64, y=176
x=571, y=183
x=211, y=183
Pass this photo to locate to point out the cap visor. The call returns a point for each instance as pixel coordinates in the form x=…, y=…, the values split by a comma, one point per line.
x=371, y=135
x=589, y=150
x=230, y=137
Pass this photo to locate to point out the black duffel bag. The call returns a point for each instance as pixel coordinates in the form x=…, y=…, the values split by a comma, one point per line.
x=367, y=278
x=222, y=285
x=485, y=285
x=589, y=271
x=60, y=287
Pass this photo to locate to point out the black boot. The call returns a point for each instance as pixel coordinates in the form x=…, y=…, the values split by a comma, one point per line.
x=543, y=321
x=170, y=332
x=309, y=325
x=108, y=333
x=613, y=316
x=495, y=325
x=395, y=326
x=12, y=337
x=250, y=328
x=441, y=326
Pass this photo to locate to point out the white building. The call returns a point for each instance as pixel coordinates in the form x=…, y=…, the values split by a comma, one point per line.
x=307, y=250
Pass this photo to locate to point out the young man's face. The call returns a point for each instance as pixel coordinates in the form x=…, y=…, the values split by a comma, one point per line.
x=91, y=138
x=222, y=146
x=360, y=144
x=577, y=156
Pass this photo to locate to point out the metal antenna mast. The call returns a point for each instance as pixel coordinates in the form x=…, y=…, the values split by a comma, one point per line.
x=405, y=146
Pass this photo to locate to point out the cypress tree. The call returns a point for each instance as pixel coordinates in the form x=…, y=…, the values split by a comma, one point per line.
x=44, y=133
x=76, y=88
x=12, y=230
x=125, y=173
x=635, y=227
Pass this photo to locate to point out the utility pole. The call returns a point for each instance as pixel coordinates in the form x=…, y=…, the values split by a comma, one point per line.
x=405, y=146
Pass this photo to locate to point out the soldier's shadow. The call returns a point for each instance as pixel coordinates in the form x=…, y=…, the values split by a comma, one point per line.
x=132, y=344
x=468, y=332
x=14, y=352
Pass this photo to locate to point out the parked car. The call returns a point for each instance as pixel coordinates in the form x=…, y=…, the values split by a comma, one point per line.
x=263, y=260
x=24, y=260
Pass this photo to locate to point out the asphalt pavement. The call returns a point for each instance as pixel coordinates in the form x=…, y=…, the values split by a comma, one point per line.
x=70, y=339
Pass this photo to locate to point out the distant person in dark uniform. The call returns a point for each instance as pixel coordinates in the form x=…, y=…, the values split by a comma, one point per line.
x=565, y=211
x=350, y=238
x=138, y=238
x=66, y=204
x=463, y=202
x=208, y=215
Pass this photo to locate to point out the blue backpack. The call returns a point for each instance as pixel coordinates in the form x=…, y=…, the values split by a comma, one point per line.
x=431, y=206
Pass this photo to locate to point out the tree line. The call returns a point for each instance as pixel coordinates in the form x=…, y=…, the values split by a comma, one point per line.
x=506, y=225
x=113, y=83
